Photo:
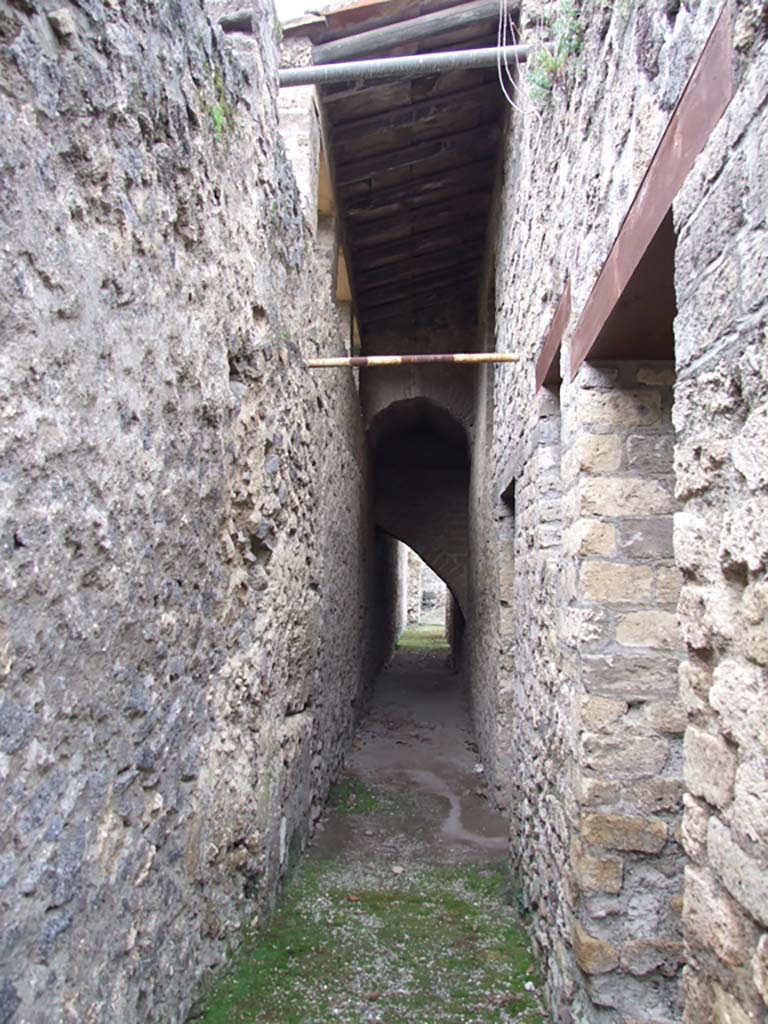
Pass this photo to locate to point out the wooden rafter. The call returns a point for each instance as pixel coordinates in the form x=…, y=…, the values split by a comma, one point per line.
x=392, y=37
x=481, y=139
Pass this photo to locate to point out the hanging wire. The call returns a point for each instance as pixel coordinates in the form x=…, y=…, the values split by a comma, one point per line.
x=506, y=25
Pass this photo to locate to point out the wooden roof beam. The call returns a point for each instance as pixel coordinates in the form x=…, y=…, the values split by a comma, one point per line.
x=417, y=113
x=483, y=137
x=463, y=177
x=402, y=33
x=418, y=245
x=438, y=297
x=410, y=267
x=458, y=274
x=449, y=214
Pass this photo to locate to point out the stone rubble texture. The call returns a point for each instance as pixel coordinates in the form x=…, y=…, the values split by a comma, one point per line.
x=194, y=590
x=619, y=646
x=184, y=508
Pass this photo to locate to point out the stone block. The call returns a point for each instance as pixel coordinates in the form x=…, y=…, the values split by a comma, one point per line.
x=624, y=753
x=695, y=681
x=584, y=626
x=667, y=716
x=623, y=832
x=644, y=796
x=597, y=874
x=651, y=454
x=708, y=615
x=614, y=582
x=589, y=537
x=625, y=496
x=669, y=580
x=694, y=542
x=739, y=696
x=597, y=453
x=644, y=956
x=693, y=828
x=656, y=376
x=598, y=712
x=594, y=956
x=620, y=408
x=646, y=537
x=749, y=810
x=710, y=766
x=593, y=376
x=750, y=449
x=652, y=796
x=744, y=878
x=709, y=919
x=630, y=676
x=655, y=629
x=744, y=536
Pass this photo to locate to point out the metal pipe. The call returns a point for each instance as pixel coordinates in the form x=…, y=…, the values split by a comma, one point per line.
x=414, y=360
x=406, y=67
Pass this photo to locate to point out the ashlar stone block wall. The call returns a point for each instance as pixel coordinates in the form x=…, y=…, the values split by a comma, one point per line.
x=622, y=586
x=184, y=507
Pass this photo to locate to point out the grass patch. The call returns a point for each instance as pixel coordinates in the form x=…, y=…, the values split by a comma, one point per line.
x=435, y=945
x=424, y=636
x=353, y=797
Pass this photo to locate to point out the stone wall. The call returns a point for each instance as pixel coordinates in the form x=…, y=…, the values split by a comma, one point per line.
x=721, y=545
x=182, y=505
x=621, y=587
x=585, y=719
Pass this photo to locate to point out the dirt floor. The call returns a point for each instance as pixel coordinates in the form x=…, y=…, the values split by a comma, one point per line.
x=403, y=909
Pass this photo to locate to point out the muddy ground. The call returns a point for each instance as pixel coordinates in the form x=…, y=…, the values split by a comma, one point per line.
x=402, y=910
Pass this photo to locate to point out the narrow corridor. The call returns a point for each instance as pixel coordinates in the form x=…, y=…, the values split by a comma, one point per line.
x=403, y=909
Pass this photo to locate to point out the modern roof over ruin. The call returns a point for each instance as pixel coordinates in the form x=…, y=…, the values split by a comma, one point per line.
x=413, y=160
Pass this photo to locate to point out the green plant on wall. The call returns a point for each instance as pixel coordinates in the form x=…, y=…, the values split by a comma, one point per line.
x=547, y=66
x=221, y=112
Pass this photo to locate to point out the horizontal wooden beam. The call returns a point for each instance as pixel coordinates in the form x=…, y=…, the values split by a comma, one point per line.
x=409, y=266
x=417, y=246
x=455, y=180
x=418, y=286
x=457, y=358
x=401, y=33
x=445, y=298
x=418, y=113
x=482, y=139
x=459, y=269
x=548, y=363
x=433, y=218
x=704, y=99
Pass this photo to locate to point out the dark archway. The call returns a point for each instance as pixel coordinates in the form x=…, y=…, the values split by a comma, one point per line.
x=421, y=479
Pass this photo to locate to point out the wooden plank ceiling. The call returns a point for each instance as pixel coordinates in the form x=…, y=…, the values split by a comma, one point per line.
x=413, y=160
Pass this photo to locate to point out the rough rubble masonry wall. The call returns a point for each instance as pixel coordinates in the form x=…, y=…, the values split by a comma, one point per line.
x=183, y=508
x=595, y=771
x=721, y=545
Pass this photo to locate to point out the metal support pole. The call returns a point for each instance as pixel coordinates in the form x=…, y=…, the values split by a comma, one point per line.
x=406, y=67
x=414, y=360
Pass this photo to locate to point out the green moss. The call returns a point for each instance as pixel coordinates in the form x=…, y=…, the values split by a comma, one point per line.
x=221, y=111
x=435, y=945
x=423, y=636
x=351, y=795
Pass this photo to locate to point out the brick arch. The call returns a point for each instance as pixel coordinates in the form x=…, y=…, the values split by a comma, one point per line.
x=421, y=481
